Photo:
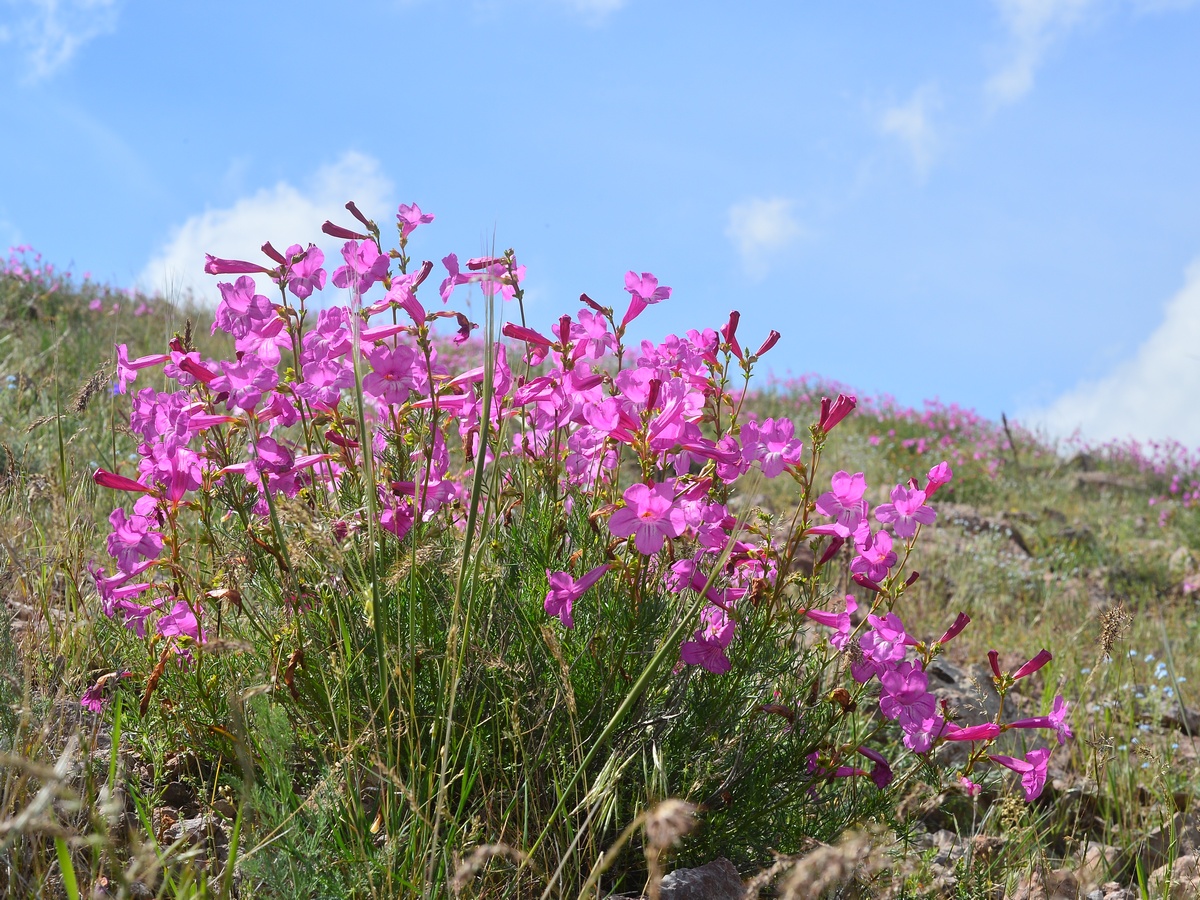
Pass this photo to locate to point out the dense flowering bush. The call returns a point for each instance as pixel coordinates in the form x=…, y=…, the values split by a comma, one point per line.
x=354, y=414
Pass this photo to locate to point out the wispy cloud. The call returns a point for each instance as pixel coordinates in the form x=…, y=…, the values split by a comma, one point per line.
x=282, y=214
x=911, y=123
x=48, y=33
x=1152, y=395
x=1033, y=27
x=762, y=230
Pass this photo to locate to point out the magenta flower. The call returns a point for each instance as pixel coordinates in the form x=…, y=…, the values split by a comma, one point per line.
x=906, y=694
x=1042, y=657
x=118, y=482
x=409, y=217
x=127, y=369
x=985, y=732
x=839, y=622
x=650, y=515
x=241, y=309
x=845, y=502
x=1032, y=770
x=245, y=381
x=95, y=697
x=961, y=621
x=938, y=475
x=181, y=621
x=395, y=372
x=875, y=558
x=364, y=266
x=643, y=292
x=215, y=266
x=906, y=511
x=772, y=444
x=886, y=641
x=565, y=590
x=881, y=772
x=306, y=274
x=708, y=644
x=131, y=540
x=1057, y=721
x=833, y=413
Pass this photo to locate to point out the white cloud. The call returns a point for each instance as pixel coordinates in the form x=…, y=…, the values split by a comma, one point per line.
x=50, y=32
x=1153, y=395
x=1033, y=26
x=911, y=124
x=762, y=230
x=282, y=214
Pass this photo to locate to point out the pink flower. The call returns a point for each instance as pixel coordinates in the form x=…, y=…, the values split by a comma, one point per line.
x=565, y=590
x=118, y=482
x=881, y=772
x=845, y=502
x=409, y=217
x=95, y=697
x=906, y=694
x=1032, y=770
x=364, y=266
x=772, y=444
x=650, y=515
x=127, y=369
x=1057, y=721
x=708, y=644
x=832, y=413
x=985, y=732
x=216, y=266
x=970, y=787
x=906, y=511
x=876, y=557
x=938, y=475
x=181, y=621
x=305, y=275
x=643, y=292
x=839, y=622
x=131, y=540
x=961, y=621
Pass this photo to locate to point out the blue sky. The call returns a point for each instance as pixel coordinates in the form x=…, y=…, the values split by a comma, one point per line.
x=990, y=202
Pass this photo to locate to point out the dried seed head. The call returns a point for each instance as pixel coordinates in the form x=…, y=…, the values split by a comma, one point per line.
x=89, y=389
x=668, y=822
x=1114, y=622
x=477, y=859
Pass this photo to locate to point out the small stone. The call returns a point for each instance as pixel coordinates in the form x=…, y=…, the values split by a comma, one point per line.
x=717, y=880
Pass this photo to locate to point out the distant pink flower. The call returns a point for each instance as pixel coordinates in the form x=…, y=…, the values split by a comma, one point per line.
x=1032, y=770
x=970, y=787
x=650, y=515
x=565, y=590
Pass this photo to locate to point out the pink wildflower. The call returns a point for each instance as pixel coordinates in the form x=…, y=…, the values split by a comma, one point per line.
x=651, y=515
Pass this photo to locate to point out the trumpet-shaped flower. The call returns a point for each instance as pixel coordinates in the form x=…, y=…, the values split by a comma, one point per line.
x=650, y=515
x=906, y=511
x=565, y=590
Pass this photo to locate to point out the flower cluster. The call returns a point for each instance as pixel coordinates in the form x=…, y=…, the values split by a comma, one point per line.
x=361, y=396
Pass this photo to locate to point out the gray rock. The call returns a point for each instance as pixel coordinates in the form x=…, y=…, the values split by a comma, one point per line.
x=717, y=880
